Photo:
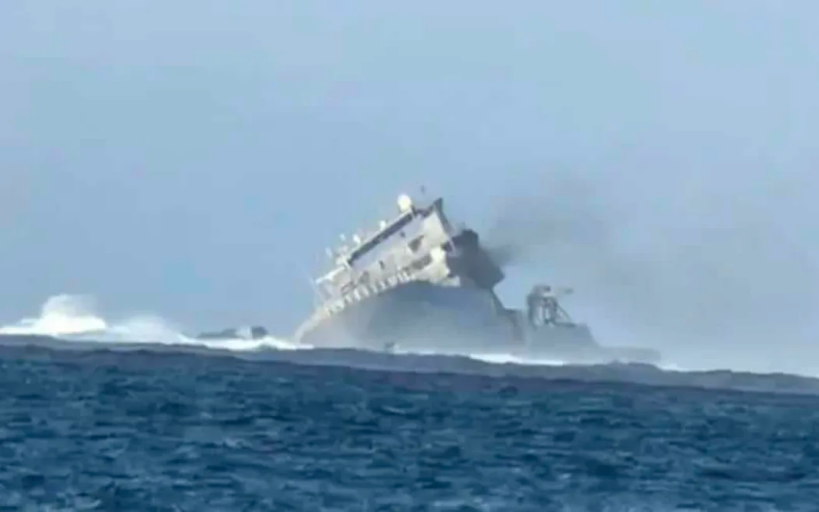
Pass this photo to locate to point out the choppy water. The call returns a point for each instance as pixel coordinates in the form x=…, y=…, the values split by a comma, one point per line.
x=131, y=431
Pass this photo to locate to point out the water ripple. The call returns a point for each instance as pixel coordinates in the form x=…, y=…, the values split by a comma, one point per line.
x=135, y=432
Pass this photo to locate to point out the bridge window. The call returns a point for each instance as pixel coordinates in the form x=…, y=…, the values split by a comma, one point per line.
x=416, y=243
x=421, y=262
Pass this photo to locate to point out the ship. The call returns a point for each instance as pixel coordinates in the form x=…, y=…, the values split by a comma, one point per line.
x=420, y=284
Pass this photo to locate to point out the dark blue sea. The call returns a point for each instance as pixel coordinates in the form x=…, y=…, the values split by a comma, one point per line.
x=143, y=431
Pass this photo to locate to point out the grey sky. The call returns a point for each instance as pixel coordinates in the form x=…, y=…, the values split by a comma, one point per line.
x=194, y=158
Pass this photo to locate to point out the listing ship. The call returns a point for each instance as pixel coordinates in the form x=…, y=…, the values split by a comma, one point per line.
x=420, y=284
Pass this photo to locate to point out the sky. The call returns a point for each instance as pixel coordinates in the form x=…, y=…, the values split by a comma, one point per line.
x=193, y=159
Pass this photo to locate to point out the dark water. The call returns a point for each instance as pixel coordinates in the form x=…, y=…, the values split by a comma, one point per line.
x=135, y=431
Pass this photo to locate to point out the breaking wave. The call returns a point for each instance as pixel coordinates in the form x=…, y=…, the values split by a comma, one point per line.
x=77, y=318
x=70, y=317
x=495, y=358
x=61, y=315
x=71, y=321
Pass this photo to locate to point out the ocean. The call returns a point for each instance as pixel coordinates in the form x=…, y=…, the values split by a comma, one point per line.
x=101, y=430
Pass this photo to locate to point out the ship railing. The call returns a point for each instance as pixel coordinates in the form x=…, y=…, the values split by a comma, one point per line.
x=362, y=292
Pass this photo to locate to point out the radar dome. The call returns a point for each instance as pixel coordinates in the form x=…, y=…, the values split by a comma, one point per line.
x=404, y=203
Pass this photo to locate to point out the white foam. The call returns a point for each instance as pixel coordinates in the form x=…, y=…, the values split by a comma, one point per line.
x=244, y=345
x=75, y=317
x=61, y=315
x=500, y=358
x=493, y=358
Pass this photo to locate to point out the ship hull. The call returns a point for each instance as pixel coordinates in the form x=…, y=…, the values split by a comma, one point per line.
x=421, y=317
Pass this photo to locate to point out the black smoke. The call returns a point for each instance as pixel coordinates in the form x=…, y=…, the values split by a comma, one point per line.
x=704, y=262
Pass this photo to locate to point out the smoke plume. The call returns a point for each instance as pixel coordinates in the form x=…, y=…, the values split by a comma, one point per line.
x=718, y=269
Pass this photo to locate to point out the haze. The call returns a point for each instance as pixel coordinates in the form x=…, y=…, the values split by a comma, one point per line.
x=194, y=159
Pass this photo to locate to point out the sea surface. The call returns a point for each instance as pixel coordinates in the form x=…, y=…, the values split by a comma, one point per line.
x=144, y=431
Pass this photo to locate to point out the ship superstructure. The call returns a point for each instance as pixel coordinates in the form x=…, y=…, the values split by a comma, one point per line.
x=419, y=283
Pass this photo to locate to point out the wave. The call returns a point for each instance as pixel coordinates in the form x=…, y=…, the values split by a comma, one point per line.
x=71, y=317
x=71, y=323
x=61, y=315
x=50, y=349
x=76, y=318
